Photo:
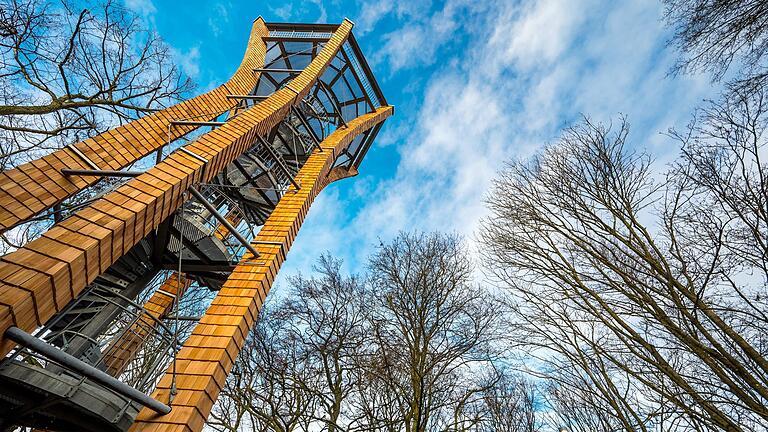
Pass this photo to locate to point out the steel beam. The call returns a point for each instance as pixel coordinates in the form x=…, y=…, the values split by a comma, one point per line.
x=333, y=100
x=27, y=340
x=82, y=156
x=193, y=154
x=365, y=145
x=222, y=220
x=357, y=78
x=303, y=27
x=307, y=126
x=366, y=69
x=196, y=268
x=101, y=173
x=317, y=39
x=279, y=162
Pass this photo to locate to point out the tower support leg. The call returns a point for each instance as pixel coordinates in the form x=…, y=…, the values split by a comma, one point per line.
x=209, y=353
x=159, y=305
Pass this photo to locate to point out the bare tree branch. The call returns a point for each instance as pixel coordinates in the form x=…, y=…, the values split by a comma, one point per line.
x=657, y=320
x=73, y=69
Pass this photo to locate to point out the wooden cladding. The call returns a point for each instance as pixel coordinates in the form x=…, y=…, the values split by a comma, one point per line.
x=46, y=274
x=162, y=302
x=42, y=277
x=208, y=355
x=39, y=185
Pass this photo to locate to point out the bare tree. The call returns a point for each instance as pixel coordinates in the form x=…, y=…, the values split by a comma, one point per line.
x=576, y=409
x=510, y=404
x=373, y=402
x=72, y=69
x=567, y=345
x=587, y=393
x=431, y=327
x=266, y=390
x=714, y=35
x=325, y=315
x=411, y=347
x=658, y=283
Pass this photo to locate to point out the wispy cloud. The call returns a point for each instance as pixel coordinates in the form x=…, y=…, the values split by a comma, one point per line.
x=539, y=32
x=145, y=8
x=416, y=42
x=219, y=18
x=370, y=14
x=322, y=16
x=520, y=73
x=283, y=11
x=304, y=11
x=188, y=60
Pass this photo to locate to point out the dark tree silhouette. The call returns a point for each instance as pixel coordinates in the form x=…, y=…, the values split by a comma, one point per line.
x=718, y=36
x=71, y=69
x=432, y=328
x=652, y=288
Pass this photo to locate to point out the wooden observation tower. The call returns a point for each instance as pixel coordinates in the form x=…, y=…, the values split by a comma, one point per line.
x=165, y=235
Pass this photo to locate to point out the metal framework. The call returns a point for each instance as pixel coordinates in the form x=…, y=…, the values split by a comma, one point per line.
x=127, y=313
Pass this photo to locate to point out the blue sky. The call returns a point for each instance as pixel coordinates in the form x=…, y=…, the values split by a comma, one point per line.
x=474, y=83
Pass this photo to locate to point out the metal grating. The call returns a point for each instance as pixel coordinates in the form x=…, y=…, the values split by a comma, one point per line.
x=367, y=87
x=283, y=34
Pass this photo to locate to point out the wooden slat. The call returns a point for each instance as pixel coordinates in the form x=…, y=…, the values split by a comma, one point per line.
x=125, y=224
x=120, y=353
x=221, y=332
x=84, y=245
x=22, y=197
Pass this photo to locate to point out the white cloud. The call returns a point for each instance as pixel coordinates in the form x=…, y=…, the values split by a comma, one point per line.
x=371, y=13
x=145, y=8
x=188, y=60
x=421, y=34
x=400, y=48
x=527, y=70
x=219, y=18
x=540, y=31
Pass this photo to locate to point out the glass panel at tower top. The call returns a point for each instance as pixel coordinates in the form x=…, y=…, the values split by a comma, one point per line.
x=346, y=90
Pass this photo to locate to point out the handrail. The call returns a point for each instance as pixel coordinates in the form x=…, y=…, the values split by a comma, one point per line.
x=30, y=342
x=21, y=197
